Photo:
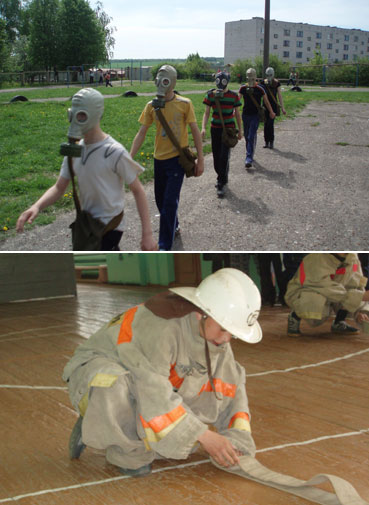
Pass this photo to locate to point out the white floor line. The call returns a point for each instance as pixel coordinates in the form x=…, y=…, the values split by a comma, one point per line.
x=16, y=333
x=311, y=365
x=175, y=467
x=11, y=386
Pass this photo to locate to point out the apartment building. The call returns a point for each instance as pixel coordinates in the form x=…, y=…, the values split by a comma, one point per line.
x=293, y=42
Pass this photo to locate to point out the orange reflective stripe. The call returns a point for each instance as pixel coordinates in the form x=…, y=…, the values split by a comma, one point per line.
x=302, y=274
x=174, y=378
x=160, y=423
x=220, y=387
x=355, y=267
x=239, y=415
x=125, y=333
x=341, y=271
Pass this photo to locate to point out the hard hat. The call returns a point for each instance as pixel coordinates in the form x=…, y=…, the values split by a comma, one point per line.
x=232, y=299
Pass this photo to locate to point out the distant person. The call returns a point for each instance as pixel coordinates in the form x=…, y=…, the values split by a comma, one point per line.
x=102, y=171
x=229, y=104
x=168, y=172
x=327, y=283
x=270, y=263
x=92, y=75
x=252, y=94
x=107, y=80
x=273, y=88
x=292, y=79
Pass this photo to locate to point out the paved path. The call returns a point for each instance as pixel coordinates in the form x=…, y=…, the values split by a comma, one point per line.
x=309, y=193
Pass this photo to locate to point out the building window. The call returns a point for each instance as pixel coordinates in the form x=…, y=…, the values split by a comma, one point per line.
x=308, y=49
x=318, y=45
x=356, y=38
x=286, y=43
x=329, y=46
x=345, y=47
x=299, y=55
x=355, y=57
x=261, y=41
x=299, y=33
x=330, y=36
x=309, y=38
x=336, y=51
x=286, y=33
x=345, y=56
x=262, y=29
x=299, y=43
x=275, y=46
x=276, y=35
x=318, y=35
x=347, y=38
x=337, y=41
x=286, y=54
x=307, y=59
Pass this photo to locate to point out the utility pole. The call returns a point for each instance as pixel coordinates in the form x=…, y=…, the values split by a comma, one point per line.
x=266, y=35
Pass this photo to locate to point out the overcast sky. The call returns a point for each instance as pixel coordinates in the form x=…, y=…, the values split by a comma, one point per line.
x=174, y=29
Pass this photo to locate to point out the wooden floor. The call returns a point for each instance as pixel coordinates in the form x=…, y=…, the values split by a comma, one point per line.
x=309, y=400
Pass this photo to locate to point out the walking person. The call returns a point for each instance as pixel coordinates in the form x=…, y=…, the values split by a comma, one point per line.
x=229, y=103
x=252, y=94
x=273, y=88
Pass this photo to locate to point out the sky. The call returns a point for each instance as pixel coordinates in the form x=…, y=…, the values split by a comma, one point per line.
x=152, y=29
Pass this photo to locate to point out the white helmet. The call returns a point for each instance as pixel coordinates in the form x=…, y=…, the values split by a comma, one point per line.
x=232, y=299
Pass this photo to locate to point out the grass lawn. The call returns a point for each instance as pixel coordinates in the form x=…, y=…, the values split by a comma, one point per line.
x=31, y=133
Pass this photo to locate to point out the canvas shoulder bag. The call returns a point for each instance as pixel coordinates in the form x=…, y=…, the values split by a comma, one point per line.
x=260, y=109
x=186, y=157
x=88, y=231
x=229, y=135
x=271, y=94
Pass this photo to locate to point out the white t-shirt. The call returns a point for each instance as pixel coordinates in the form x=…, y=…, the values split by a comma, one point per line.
x=102, y=171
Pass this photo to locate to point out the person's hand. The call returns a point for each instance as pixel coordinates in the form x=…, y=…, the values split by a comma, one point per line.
x=203, y=133
x=148, y=243
x=28, y=216
x=219, y=448
x=239, y=136
x=272, y=115
x=283, y=111
x=361, y=317
x=199, y=167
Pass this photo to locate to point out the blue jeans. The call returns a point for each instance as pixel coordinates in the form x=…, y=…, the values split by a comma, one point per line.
x=168, y=179
x=250, y=125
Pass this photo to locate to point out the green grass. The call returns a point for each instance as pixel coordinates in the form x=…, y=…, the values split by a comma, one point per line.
x=31, y=133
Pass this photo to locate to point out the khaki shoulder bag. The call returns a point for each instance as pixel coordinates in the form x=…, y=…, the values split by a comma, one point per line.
x=229, y=135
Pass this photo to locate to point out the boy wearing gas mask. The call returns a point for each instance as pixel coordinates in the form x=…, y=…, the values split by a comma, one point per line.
x=229, y=103
x=102, y=166
x=168, y=172
x=273, y=88
x=252, y=94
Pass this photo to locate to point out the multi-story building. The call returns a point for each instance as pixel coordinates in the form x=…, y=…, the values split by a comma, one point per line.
x=293, y=42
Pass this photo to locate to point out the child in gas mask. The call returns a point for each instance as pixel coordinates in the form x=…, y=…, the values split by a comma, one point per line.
x=273, y=88
x=168, y=173
x=229, y=103
x=252, y=94
x=102, y=170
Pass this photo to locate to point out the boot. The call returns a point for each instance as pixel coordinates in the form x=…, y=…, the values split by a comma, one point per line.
x=76, y=446
x=343, y=327
x=271, y=145
x=293, y=326
x=266, y=145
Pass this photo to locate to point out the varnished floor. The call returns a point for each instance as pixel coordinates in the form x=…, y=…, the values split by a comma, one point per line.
x=311, y=389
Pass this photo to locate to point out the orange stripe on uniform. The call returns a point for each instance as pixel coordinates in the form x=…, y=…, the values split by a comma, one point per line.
x=302, y=274
x=125, y=333
x=159, y=423
x=220, y=387
x=240, y=421
x=174, y=378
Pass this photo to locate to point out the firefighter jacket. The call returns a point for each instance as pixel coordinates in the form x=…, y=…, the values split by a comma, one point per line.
x=159, y=347
x=323, y=279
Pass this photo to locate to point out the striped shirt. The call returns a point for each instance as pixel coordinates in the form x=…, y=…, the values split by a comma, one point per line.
x=228, y=103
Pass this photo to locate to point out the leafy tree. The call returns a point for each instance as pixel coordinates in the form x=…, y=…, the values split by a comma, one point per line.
x=4, y=47
x=181, y=71
x=105, y=21
x=10, y=12
x=81, y=35
x=195, y=66
x=43, y=34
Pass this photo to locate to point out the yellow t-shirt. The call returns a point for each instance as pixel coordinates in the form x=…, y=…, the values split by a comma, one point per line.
x=179, y=113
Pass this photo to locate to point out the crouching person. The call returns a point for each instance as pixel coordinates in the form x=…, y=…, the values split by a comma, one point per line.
x=327, y=283
x=150, y=382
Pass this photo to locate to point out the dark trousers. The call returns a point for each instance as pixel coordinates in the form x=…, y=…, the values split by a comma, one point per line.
x=220, y=156
x=250, y=125
x=110, y=241
x=268, y=291
x=268, y=128
x=168, y=179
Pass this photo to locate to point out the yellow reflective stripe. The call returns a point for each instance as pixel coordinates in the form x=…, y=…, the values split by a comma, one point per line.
x=241, y=424
x=159, y=427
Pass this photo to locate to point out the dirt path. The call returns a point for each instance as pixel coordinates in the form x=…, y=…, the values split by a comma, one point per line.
x=309, y=193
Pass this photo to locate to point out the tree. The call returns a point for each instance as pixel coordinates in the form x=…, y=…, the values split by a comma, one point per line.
x=4, y=47
x=10, y=12
x=43, y=40
x=195, y=66
x=81, y=35
x=105, y=21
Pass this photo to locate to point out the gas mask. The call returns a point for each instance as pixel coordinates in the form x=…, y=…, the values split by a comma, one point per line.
x=165, y=81
x=221, y=82
x=269, y=74
x=251, y=77
x=85, y=113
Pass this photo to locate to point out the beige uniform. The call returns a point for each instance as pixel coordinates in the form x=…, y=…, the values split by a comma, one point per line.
x=323, y=284
x=142, y=384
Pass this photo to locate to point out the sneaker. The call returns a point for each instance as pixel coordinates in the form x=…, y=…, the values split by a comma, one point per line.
x=248, y=164
x=139, y=472
x=266, y=145
x=220, y=191
x=271, y=145
x=177, y=231
x=76, y=446
x=343, y=327
x=293, y=327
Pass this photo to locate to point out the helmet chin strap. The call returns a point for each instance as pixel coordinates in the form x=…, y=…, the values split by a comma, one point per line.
x=207, y=356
